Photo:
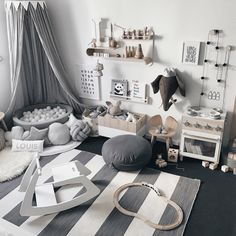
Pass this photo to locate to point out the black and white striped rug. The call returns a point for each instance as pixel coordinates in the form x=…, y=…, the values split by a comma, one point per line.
x=98, y=216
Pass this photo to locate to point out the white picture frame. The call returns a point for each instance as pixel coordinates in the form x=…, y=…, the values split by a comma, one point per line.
x=138, y=90
x=190, y=52
x=87, y=84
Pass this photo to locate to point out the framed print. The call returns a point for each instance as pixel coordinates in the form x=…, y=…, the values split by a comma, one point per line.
x=190, y=54
x=138, y=89
x=119, y=87
x=88, y=84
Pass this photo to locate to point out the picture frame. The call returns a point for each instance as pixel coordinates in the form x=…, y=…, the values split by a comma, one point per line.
x=87, y=85
x=119, y=87
x=190, y=52
x=138, y=89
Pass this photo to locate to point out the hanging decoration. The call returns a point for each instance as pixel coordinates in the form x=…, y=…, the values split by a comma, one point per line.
x=214, y=62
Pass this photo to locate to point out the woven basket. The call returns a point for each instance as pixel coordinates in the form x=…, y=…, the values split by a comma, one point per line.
x=2, y=139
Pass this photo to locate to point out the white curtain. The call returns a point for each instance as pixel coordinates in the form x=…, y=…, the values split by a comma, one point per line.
x=15, y=21
x=37, y=71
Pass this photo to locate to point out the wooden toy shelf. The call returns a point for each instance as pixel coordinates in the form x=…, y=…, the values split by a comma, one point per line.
x=130, y=99
x=109, y=53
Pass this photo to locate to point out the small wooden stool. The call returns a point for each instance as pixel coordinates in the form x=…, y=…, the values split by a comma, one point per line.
x=2, y=115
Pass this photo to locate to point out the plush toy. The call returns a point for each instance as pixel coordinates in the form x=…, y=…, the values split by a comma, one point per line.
x=2, y=139
x=114, y=110
x=130, y=117
x=17, y=132
x=58, y=134
x=168, y=83
x=79, y=131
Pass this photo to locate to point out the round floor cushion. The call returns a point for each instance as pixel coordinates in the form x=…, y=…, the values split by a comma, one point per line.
x=127, y=152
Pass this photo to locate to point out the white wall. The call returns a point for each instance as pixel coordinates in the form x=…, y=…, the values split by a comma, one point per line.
x=173, y=21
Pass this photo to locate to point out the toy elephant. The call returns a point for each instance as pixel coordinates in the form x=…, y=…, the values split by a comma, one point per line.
x=168, y=83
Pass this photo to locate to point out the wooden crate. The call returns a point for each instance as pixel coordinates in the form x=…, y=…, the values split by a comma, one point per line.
x=110, y=127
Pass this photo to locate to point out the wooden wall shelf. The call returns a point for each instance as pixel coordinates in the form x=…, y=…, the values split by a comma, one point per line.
x=129, y=98
x=109, y=53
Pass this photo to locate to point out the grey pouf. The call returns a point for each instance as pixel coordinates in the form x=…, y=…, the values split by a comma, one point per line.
x=127, y=152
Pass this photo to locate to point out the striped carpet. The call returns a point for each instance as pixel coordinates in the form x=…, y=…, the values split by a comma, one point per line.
x=98, y=216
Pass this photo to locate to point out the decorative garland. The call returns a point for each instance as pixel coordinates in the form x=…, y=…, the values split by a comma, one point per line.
x=225, y=68
x=179, y=211
x=221, y=69
x=209, y=43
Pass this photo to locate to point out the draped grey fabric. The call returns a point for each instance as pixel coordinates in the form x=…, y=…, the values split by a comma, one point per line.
x=37, y=71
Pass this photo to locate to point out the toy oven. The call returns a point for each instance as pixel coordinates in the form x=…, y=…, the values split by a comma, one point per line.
x=200, y=145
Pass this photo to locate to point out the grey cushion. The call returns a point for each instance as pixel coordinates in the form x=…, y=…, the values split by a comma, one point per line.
x=127, y=152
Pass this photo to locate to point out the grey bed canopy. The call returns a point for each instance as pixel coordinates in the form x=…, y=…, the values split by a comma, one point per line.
x=37, y=74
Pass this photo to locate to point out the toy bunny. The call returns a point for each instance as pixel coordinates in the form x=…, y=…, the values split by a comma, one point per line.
x=114, y=110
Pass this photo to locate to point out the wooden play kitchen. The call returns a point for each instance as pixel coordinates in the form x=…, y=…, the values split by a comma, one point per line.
x=202, y=133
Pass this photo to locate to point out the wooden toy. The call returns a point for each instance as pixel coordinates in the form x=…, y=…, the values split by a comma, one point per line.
x=234, y=171
x=139, y=52
x=213, y=166
x=224, y=168
x=173, y=155
x=67, y=175
x=205, y=164
x=231, y=155
x=161, y=163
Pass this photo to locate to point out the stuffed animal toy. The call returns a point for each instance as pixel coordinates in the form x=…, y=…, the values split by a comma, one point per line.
x=168, y=83
x=114, y=110
x=2, y=139
x=130, y=117
x=17, y=132
x=58, y=134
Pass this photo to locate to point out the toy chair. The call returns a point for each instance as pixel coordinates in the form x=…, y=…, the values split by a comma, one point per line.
x=157, y=131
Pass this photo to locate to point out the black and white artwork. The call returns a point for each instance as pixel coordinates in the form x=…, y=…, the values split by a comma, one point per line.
x=88, y=84
x=190, y=53
x=119, y=87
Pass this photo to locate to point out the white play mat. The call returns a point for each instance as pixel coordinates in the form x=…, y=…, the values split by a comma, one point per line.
x=53, y=150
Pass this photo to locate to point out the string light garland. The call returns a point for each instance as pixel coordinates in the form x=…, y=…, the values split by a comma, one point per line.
x=221, y=68
x=225, y=69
